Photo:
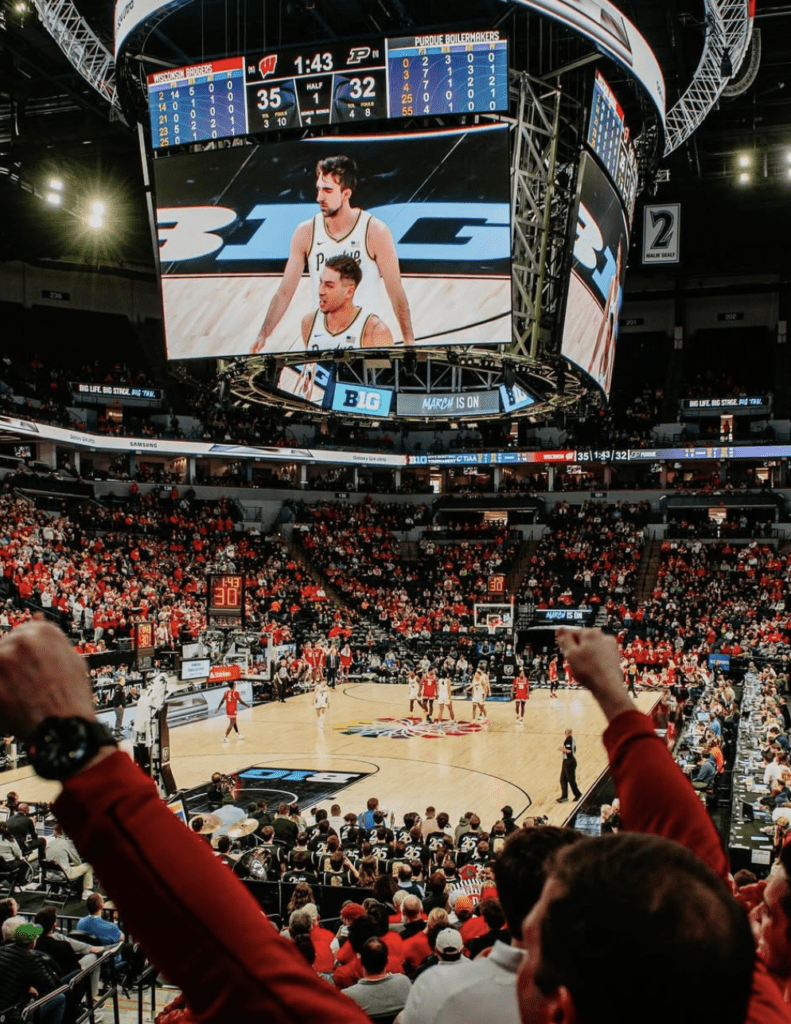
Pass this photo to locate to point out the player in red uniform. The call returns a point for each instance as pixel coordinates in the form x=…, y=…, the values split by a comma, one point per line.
x=553, y=677
x=428, y=692
x=521, y=695
x=345, y=659
x=230, y=699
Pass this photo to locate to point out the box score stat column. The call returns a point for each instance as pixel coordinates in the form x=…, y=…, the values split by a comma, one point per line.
x=196, y=103
x=447, y=73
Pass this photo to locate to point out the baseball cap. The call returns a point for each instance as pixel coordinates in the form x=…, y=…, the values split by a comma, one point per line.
x=27, y=933
x=464, y=903
x=449, y=941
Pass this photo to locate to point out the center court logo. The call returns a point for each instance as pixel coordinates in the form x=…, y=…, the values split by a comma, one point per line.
x=407, y=728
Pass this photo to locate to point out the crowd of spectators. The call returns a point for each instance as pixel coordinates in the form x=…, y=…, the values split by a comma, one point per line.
x=589, y=555
x=108, y=566
x=356, y=549
x=709, y=598
x=102, y=566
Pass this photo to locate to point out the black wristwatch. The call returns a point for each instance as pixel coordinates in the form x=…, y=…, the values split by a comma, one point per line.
x=59, y=747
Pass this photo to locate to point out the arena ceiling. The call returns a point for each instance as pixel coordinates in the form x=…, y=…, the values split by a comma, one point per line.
x=53, y=122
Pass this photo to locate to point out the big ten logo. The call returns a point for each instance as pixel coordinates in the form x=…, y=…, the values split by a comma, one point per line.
x=423, y=231
x=368, y=401
x=291, y=775
x=591, y=251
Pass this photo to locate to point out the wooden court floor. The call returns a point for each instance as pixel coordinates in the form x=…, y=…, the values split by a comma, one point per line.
x=411, y=764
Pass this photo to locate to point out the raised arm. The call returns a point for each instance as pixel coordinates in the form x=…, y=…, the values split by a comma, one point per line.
x=655, y=796
x=193, y=917
x=382, y=248
x=295, y=267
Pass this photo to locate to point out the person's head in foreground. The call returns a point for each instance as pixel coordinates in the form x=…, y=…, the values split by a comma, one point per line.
x=627, y=906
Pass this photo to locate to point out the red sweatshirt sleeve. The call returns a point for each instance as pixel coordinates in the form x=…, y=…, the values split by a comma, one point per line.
x=194, y=918
x=657, y=799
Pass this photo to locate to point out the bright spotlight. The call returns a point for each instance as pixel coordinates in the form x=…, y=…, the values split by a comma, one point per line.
x=53, y=198
x=744, y=178
x=96, y=221
x=56, y=184
x=20, y=7
x=745, y=160
x=97, y=208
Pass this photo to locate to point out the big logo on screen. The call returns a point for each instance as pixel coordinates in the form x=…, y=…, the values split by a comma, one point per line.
x=453, y=232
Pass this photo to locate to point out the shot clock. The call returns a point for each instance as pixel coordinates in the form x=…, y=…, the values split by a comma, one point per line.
x=225, y=597
x=445, y=73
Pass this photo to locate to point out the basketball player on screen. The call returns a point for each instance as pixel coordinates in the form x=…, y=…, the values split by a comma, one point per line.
x=340, y=229
x=339, y=322
x=602, y=357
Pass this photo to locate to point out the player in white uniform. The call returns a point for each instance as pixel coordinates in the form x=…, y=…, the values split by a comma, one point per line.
x=339, y=322
x=340, y=229
x=413, y=692
x=321, y=701
x=445, y=698
x=480, y=691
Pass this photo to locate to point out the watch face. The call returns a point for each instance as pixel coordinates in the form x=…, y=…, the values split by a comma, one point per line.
x=59, y=747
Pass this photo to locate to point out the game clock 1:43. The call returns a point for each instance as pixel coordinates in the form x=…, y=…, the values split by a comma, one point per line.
x=226, y=594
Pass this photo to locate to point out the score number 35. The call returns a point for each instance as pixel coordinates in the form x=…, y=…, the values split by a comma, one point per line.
x=269, y=99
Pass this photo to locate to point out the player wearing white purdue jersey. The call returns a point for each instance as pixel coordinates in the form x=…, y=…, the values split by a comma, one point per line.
x=339, y=322
x=347, y=230
x=355, y=244
x=322, y=339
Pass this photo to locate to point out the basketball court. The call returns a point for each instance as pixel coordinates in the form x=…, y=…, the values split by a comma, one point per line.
x=369, y=746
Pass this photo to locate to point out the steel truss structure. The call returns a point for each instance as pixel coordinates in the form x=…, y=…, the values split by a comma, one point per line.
x=545, y=148
x=85, y=51
x=728, y=32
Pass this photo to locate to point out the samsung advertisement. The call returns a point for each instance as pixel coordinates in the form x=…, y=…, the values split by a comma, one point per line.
x=399, y=240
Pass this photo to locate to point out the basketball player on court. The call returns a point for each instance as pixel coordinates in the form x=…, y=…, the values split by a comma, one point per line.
x=445, y=697
x=428, y=692
x=521, y=694
x=338, y=322
x=321, y=701
x=340, y=229
x=230, y=699
x=480, y=691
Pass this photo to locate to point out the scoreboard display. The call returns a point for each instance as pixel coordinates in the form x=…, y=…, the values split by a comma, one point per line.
x=307, y=87
x=609, y=139
x=446, y=73
x=225, y=595
x=204, y=101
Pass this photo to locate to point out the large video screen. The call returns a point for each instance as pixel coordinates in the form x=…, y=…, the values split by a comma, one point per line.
x=245, y=233
x=590, y=329
x=610, y=140
x=308, y=381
